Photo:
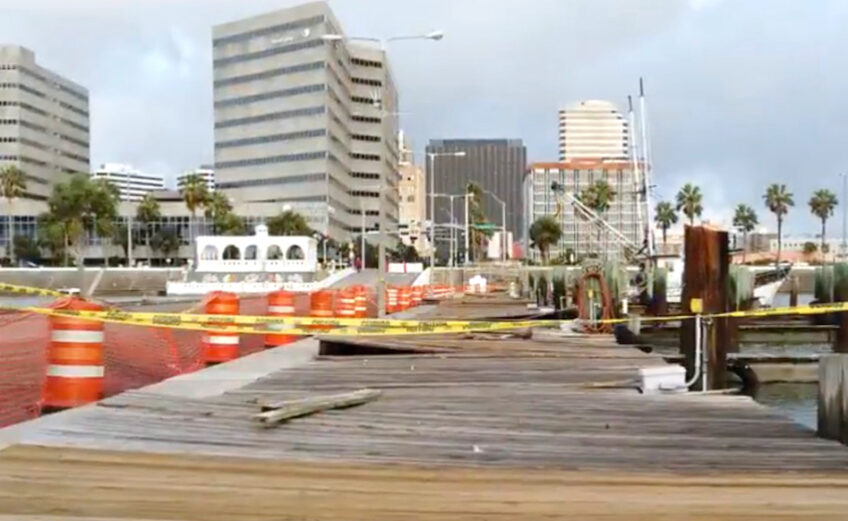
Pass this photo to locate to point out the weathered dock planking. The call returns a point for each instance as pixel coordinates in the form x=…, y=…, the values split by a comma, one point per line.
x=467, y=427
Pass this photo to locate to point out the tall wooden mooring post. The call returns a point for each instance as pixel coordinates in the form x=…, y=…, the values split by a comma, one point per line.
x=705, y=277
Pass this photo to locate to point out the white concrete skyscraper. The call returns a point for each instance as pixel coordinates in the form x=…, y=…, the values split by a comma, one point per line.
x=593, y=129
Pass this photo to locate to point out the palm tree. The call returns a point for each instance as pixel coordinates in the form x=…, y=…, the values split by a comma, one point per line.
x=12, y=184
x=544, y=232
x=289, y=223
x=147, y=213
x=195, y=194
x=218, y=207
x=745, y=220
x=598, y=197
x=778, y=201
x=665, y=216
x=476, y=217
x=822, y=204
x=689, y=201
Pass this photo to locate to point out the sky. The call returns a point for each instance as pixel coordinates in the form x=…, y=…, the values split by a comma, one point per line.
x=741, y=93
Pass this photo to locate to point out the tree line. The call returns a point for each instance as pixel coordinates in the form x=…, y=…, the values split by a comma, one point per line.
x=547, y=230
x=84, y=207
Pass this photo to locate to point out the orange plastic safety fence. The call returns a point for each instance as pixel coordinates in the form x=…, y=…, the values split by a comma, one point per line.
x=23, y=355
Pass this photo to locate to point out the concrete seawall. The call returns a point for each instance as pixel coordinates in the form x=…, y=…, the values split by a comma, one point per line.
x=104, y=281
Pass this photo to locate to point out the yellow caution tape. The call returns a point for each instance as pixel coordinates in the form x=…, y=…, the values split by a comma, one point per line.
x=27, y=290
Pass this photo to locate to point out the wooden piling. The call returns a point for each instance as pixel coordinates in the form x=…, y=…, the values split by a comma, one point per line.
x=833, y=398
x=793, y=291
x=705, y=276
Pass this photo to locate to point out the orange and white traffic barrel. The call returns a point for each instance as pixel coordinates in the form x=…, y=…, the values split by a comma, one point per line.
x=405, y=298
x=360, y=302
x=346, y=303
x=392, y=300
x=221, y=347
x=280, y=304
x=321, y=306
x=417, y=295
x=75, y=368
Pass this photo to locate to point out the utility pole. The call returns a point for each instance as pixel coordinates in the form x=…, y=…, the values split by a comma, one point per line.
x=844, y=212
x=467, y=250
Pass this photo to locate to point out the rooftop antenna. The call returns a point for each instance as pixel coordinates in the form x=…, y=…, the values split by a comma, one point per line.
x=646, y=162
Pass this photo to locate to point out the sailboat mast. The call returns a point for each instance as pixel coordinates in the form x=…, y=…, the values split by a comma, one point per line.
x=637, y=177
x=646, y=177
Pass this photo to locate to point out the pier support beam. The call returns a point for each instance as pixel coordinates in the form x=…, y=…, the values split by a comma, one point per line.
x=705, y=277
x=833, y=398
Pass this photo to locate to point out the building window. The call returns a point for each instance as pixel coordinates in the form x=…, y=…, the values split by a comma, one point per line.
x=274, y=253
x=273, y=73
x=244, y=100
x=307, y=178
x=268, y=31
x=231, y=253
x=272, y=138
x=273, y=51
x=288, y=158
x=286, y=114
x=250, y=253
x=209, y=253
x=294, y=253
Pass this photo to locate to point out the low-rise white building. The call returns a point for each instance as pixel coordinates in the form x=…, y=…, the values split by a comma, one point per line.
x=132, y=184
x=207, y=173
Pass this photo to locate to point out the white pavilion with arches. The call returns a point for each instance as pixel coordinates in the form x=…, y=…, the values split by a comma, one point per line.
x=257, y=253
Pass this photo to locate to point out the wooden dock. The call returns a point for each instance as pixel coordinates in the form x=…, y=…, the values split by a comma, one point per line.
x=467, y=427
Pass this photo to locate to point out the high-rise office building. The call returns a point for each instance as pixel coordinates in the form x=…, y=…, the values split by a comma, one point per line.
x=44, y=121
x=496, y=165
x=132, y=184
x=305, y=121
x=593, y=129
x=413, y=199
x=206, y=172
x=627, y=212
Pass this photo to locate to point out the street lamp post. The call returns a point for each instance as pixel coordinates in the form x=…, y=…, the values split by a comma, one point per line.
x=432, y=187
x=844, y=213
x=381, y=264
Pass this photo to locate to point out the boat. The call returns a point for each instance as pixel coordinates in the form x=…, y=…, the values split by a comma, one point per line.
x=767, y=280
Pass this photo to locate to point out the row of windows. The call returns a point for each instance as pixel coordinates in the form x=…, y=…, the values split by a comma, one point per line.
x=78, y=157
x=273, y=73
x=24, y=141
x=285, y=114
x=266, y=31
x=25, y=71
x=70, y=107
x=366, y=119
x=77, y=142
x=273, y=51
x=367, y=212
x=367, y=101
x=304, y=134
x=24, y=88
x=367, y=81
x=363, y=193
x=364, y=137
x=28, y=160
x=244, y=100
x=74, y=125
x=365, y=157
x=365, y=175
x=366, y=63
x=24, y=106
x=307, y=178
x=287, y=158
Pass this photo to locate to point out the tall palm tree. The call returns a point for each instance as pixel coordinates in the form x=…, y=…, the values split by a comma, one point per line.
x=665, y=216
x=778, y=201
x=289, y=222
x=476, y=216
x=218, y=207
x=822, y=204
x=195, y=194
x=745, y=220
x=598, y=197
x=689, y=200
x=543, y=232
x=12, y=185
x=147, y=213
